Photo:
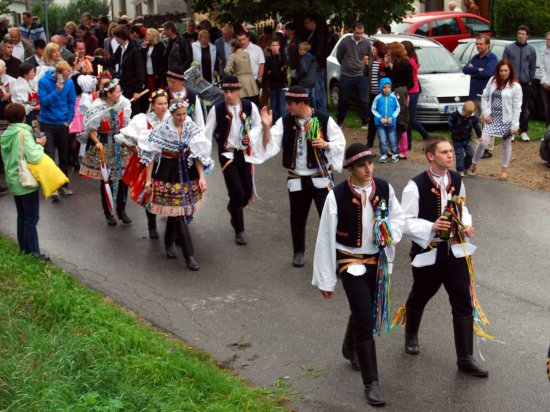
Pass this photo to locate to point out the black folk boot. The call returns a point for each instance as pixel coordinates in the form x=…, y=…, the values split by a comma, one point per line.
x=152, y=225
x=169, y=236
x=348, y=348
x=366, y=355
x=412, y=323
x=464, y=343
x=187, y=246
x=237, y=221
x=299, y=245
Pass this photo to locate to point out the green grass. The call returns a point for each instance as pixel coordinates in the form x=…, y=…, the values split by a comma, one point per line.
x=64, y=347
x=352, y=120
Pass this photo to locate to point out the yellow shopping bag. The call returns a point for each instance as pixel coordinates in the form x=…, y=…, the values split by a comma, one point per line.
x=48, y=175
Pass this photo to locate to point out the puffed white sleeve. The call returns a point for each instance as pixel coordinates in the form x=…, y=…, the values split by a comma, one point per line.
x=20, y=94
x=466, y=216
x=420, y=230
x=131, y=133
x=397, y=217
x=324, y=261
x=200, y=147
x=210, y=124
x=335, y=146
x=261, y=153
x=198, y=117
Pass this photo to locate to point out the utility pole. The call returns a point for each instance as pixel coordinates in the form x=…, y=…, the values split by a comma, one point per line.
x=45, y=5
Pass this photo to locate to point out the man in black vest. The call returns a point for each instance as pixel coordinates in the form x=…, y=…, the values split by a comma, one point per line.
x=349, y=211
x=237, y=128
x=175, y=80
x=307, y=155
x=437, y=261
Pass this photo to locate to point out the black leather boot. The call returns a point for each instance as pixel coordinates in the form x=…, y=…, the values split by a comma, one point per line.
x=237, y=221
x=299, y=245
x=412, y=323
x=464, y=343
x=169, y=235
x=187, y=246
x=348, y=348
x=366, y=355
x=124, y=217
x=152, y=225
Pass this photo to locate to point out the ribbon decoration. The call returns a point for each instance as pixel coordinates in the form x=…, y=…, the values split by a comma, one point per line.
x=106, y=186
x=313, y=131
x=382, y=238
x=246, y=121
x=117, y=175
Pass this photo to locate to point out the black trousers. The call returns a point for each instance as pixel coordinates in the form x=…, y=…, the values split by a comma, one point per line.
x=527, y=90
x=450, y=272
x=238, y=179
x=360, y=292
x=122, y=195
x=300, y=203
x=57, y=137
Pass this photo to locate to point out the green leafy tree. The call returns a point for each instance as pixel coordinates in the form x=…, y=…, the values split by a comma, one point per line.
x=5, y=7
x=58, y=15
x=509, y=14
x=372, y=13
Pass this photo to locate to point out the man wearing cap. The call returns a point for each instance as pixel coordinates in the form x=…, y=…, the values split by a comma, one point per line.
x=177, y=91
x=236, y=125
x=437, y=259
x=312, y=144
x=346, y=244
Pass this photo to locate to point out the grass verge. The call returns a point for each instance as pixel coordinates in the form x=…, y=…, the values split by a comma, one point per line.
x=64, y=347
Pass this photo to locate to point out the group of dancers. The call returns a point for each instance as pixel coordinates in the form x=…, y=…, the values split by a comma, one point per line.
x=163, y=156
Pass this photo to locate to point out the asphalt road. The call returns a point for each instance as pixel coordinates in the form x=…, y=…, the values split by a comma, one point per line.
x=257, y=314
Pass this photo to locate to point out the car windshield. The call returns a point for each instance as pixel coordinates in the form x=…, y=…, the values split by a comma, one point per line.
x=436, y=60
x=398, y=28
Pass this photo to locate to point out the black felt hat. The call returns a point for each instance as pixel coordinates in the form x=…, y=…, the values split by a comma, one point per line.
x=230, y=83
x=297, y=94
x=357, y=153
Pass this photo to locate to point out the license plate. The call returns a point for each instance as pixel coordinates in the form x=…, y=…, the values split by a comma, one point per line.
x=451, y=108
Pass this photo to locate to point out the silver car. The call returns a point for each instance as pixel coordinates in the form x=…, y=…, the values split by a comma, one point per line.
x=444, y=88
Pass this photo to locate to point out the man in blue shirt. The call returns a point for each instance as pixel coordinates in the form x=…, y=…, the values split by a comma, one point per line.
x=480, y=69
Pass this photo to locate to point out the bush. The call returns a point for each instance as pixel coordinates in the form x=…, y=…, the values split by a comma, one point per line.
x=509, y=14
x=59, y=15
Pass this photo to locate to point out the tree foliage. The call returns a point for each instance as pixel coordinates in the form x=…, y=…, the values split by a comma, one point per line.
x=372, y=13
x=5, y=7
x=509, y=14
x=59, y=15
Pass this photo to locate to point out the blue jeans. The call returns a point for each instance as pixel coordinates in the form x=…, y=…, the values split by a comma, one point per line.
x=27, y=219
x=320, y=91
x=347, y=86
x=385, y=133
x=413, y=123
x=278, y=104
x=464, y=154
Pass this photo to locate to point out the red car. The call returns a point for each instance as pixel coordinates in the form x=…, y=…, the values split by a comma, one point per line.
x=447, y=27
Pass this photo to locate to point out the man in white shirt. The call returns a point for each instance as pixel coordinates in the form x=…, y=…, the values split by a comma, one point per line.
x=438, y=257
x=346, y=244
x=312, y=145
x=21, y=49
x=236, y=125
x=257, y=61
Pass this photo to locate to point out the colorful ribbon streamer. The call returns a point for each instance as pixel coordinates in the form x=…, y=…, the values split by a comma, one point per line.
x=313, y=131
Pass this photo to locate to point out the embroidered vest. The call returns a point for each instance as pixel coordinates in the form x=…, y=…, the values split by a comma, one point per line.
x=291, y=135
x=349, y=231
x=429, y=202
x=108, y=125
x=223, y=122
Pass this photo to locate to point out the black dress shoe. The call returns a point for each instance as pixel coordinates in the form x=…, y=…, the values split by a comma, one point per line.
x=402, y=157
x=124, y=217
x=240, y=239
x=298, y=260
x=111, y=221
x=192, y=263
x=171, y=251
x=153, y=233
x=44, y=257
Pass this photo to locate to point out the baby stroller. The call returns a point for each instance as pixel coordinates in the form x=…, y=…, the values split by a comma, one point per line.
x=209, y=93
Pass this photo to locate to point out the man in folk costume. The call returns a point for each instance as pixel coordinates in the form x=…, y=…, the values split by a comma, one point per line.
x=439, y=257
x=312, y=145
x=177, y=91
x=236, y=125
x=362, y=220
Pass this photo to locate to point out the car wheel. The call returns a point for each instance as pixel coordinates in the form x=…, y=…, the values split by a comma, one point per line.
x=334, y=94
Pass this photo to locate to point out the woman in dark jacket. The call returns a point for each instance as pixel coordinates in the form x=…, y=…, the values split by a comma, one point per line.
x=275, y=67
x=152, y=51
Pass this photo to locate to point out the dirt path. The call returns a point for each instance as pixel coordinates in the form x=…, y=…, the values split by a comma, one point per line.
x=527, y=169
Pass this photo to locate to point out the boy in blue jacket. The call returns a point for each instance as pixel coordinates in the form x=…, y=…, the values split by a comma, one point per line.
x=385, y=109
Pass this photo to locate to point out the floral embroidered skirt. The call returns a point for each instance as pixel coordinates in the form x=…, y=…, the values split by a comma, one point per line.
x=91, y=162
x=173, y=196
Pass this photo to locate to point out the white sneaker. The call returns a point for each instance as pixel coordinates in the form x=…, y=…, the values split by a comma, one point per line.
x=55, y=196
x=524, y=137
x=383, y=159
x=394, y=159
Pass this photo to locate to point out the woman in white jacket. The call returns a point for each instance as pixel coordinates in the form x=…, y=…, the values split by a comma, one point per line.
x=204, y=53
x=501, y=107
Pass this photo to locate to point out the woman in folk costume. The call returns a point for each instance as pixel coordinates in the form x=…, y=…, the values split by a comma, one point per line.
x=24, y=92
x=177, y=155
x=103, y=120
x=138, y=130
